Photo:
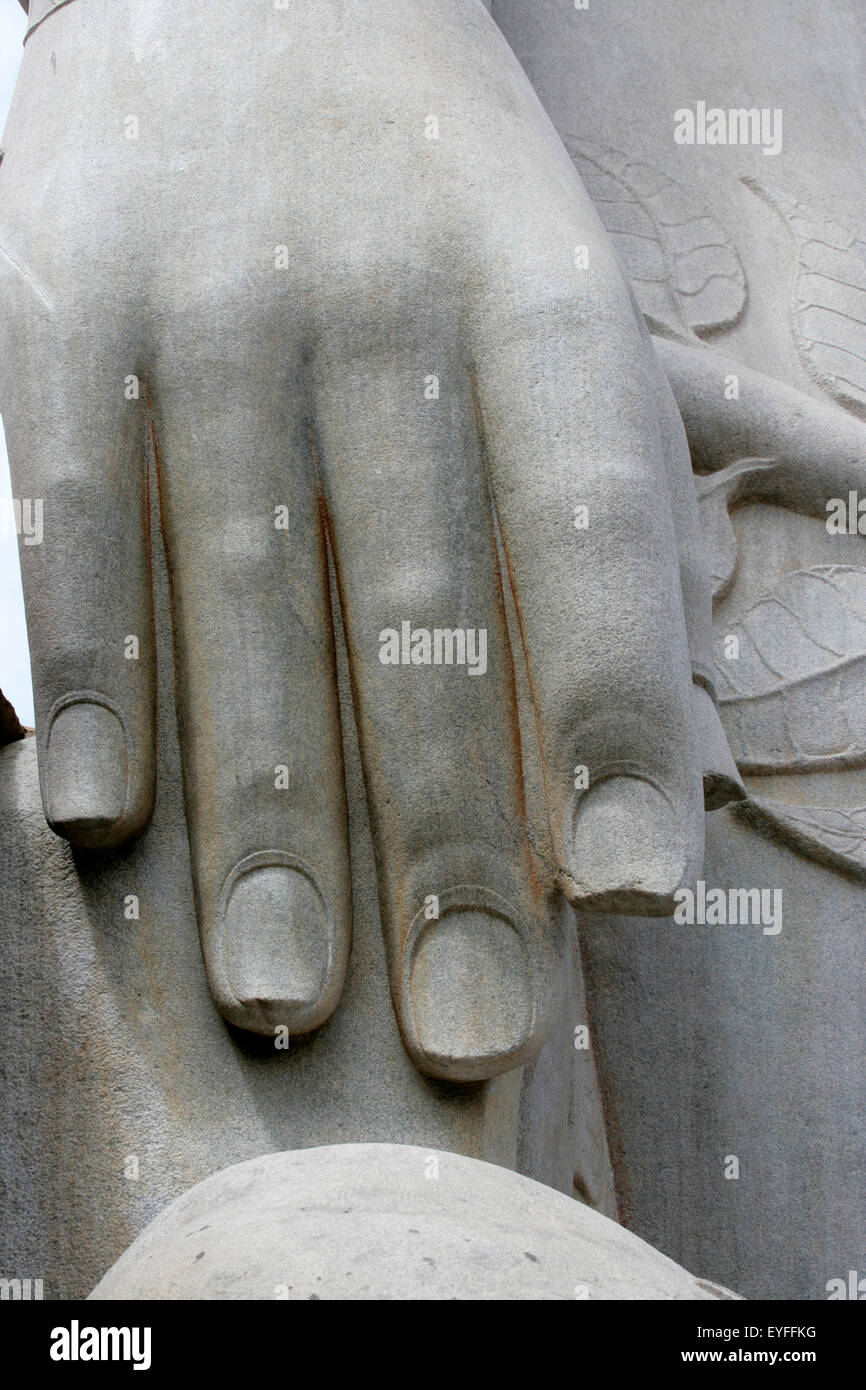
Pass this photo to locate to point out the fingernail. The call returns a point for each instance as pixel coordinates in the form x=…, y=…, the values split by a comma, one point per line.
x=470, y=995
x=628, y=853
x=277, y=944
x=86, y=773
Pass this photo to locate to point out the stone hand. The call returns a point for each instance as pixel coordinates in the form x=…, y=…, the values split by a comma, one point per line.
x=331, y=266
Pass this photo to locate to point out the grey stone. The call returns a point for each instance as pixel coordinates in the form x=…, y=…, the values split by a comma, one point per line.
x=270, y=342
x=713, y=1044
x=387, y=1222
x=718, y=1041
x=121, y=1086
x=763, y=1054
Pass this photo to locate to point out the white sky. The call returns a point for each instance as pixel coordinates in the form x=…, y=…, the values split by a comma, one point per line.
x=14, y=658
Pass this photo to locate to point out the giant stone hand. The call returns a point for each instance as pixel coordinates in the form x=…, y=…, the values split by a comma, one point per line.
x=347, y=294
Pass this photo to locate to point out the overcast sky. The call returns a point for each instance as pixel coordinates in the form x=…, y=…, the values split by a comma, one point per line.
x=14, y=660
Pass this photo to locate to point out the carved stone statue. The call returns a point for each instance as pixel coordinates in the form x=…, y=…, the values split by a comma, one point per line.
x=748, y=260
x=359, y=385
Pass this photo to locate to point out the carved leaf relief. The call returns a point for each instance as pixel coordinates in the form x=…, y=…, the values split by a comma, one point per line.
x=829, y=306
x=792, y=681
x=684, y=268
x=830, y=835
